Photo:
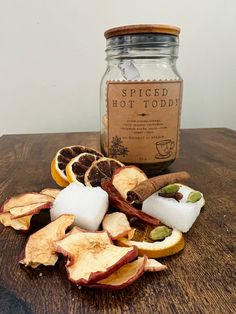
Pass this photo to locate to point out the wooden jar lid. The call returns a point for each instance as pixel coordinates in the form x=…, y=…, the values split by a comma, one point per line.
x=141, y=29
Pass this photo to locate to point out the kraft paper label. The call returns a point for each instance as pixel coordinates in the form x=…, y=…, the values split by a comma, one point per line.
x=143, y=120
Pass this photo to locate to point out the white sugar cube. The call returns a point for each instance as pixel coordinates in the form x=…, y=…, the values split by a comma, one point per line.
x=88, y=204
x=179, y=215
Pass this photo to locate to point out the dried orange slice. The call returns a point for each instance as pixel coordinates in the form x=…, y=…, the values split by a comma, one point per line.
x=63, y=157
x=77, y=167
x=103, y=168
x=154, y=249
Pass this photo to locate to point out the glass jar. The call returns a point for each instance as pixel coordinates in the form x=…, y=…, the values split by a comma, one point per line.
x=140, y=98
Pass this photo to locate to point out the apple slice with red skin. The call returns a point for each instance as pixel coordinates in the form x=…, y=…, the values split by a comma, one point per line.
x=124, y=276
x=39, y=248
x=33, y=209
x=129, y=273
x=92, y=256
x=127, y=178
x=25, y=199
x=17, y=211
x=116, y=224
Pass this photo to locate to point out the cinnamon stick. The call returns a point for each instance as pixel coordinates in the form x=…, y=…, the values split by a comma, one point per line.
x=116, y=200
x=152, y=185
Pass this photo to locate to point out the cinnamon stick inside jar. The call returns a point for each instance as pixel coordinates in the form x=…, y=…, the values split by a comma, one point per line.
x=152, y=185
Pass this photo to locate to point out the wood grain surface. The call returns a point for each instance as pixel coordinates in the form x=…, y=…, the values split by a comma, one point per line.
x=201, y=279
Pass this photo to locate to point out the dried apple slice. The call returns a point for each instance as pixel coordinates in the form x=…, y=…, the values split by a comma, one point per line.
x=18, y=224
x=153, y=265
x=39, y=248
x=116, y=224
x=51, y=192
x=92, y=256
x=24, y=200
x=21, y=211
x=17, y=211
x=124, y=276
x=127, y=178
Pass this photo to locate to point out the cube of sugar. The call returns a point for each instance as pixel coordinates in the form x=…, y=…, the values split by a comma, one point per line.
x=88, y=204
x=180, y=215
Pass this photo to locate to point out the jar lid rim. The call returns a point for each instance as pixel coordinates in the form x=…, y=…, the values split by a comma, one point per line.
x=142, y=28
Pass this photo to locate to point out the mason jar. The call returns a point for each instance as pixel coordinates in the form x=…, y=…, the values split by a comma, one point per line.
x=140, y=96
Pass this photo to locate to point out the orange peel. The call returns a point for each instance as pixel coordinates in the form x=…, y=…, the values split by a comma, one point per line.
x=63, y=157
x=169, y=246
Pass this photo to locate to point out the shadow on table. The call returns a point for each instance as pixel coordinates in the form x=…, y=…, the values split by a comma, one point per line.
x=10, y=304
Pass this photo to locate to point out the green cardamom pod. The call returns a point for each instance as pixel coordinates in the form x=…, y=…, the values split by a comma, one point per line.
x=171, y=188
x=194, y=197
x=160, y=233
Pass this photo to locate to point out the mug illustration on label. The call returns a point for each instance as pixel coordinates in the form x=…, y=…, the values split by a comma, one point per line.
x=164, y=149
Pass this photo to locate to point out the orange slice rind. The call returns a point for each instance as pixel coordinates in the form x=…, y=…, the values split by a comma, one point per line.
x=63, y=157
x=169, y=246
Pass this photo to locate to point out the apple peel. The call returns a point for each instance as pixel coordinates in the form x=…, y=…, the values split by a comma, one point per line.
x=25, y=199
x=127, y=178
x=116, y=224
x=39, y=248
x=92, y=256
x=124, y=276
x=21, y=211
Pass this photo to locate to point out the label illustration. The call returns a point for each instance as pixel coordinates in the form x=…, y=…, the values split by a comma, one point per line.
x=143, y=120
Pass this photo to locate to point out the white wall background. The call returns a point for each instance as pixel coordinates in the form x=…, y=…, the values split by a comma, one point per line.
x=52, y=59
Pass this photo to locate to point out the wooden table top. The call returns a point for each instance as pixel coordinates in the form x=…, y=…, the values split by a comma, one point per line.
x=200, y=279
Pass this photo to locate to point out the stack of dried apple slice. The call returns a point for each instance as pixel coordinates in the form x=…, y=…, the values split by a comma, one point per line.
x=92, y=258
x=17, y=211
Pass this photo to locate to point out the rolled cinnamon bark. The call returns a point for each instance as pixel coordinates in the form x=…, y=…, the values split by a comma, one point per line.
x=152, y=185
